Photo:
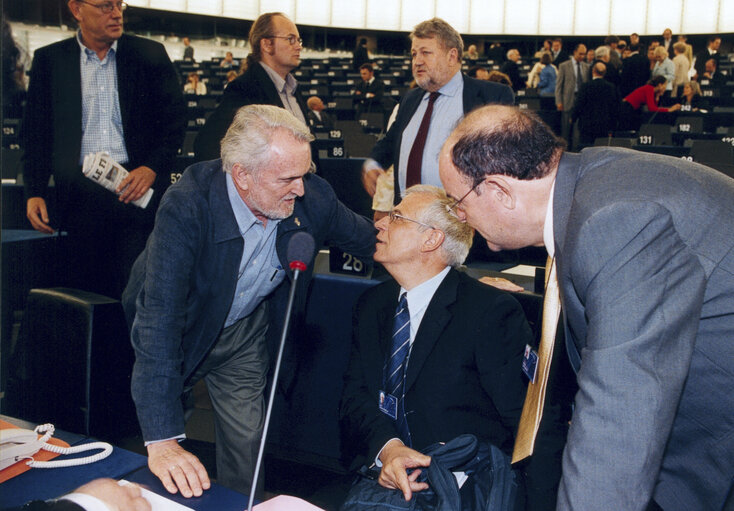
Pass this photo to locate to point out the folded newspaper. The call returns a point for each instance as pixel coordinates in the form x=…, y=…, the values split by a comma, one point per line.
x=102, y=169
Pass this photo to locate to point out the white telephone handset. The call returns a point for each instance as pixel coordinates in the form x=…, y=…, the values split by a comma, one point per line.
x=20, y=444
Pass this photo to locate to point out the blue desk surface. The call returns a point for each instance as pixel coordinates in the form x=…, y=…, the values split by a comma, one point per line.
x=13, y=235
x=216, y=498
x=48, y=483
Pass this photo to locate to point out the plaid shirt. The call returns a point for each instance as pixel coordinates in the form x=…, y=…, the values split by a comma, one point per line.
x=101, y=118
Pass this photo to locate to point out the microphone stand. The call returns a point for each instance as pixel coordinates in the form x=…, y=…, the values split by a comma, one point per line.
x=297, y=267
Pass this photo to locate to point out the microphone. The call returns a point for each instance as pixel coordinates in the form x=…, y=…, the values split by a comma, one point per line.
x=300, y=250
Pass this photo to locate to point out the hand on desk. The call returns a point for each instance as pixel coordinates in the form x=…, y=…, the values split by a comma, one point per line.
x=116, y=497
x=396, y=458
x=177, y=468
x=38, y=215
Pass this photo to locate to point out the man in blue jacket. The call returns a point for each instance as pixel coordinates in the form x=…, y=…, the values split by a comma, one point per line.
x=202, y=294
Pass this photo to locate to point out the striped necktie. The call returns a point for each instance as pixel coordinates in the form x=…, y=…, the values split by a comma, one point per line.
x=396, y=363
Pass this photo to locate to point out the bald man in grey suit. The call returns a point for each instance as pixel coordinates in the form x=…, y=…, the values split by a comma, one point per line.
x=645, y=256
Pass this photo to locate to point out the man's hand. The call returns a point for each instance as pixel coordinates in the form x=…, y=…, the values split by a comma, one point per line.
x=559, y=107
x=396, y=458
x=116, y=497
x=501, y=283
x=38, y=215
x=136, y=184
x=369, y=179
x=177, y=468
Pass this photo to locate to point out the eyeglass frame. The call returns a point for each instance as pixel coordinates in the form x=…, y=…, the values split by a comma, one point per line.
x=292, y=40
x=452, y=207
x=392, y=215
x=107, y=7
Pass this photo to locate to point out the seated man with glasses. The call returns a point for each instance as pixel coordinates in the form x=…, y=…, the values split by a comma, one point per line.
x=276, y=51
x=437, y=354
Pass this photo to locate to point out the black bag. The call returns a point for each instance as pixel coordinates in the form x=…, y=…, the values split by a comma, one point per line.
x=491, y=486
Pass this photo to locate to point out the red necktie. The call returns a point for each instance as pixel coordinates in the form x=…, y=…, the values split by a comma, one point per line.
x=415, y=159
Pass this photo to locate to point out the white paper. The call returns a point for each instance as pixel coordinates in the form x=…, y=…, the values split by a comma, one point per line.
x=157, y=502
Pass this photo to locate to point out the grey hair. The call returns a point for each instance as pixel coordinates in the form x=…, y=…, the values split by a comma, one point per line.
x=437, y=28
x=602, y=51
x=249, y=136
x=458, y=235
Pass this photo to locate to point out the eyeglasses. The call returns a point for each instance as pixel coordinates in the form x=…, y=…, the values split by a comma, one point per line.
x=292, y=40
x=394, y=216
x=106, y=7
x=455, y=205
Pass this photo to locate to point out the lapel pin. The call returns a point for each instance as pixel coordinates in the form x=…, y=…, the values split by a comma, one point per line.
x=297, y=221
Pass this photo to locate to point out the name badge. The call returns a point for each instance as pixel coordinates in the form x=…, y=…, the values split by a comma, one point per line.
x=388, y=405
x=530, y=363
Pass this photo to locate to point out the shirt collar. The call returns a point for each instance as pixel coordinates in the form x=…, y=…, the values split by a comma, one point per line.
x=548, y=237
x=421, y=295
x=91, y=53
x=287, y=85
x=243, y=215
x=454, y=86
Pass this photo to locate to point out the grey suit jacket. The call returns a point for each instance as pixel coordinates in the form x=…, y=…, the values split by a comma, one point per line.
x=645, y=258
x=566, y=83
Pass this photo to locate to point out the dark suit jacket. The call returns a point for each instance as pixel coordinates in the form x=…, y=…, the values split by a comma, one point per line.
x=597, y=109
x=326, y=121
x=511, y=69
x=635, y=73
x=476, y=93
x=374, y=104
x=50, y=505
x=562, y=57
x=464, y=374
x=182, y=285
x=151, y=105
x=647, y=287
x=701, y=58
x=253, y=87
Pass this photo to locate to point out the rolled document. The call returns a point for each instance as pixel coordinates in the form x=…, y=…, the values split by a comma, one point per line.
x=103, y=170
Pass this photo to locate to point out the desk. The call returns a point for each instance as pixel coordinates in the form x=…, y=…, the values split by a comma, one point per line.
x=43, y=484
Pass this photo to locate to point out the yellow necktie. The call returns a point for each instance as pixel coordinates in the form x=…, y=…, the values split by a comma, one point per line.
x=532, y=410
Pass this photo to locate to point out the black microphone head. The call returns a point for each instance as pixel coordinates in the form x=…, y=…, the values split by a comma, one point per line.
x=300, y=250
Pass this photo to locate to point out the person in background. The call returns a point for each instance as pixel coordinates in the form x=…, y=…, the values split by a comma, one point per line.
x=682, y=65
x=478, y=72
x=590, y=56
x=360, y=55
x=316, y=115
x=471, y=55
x=546, y=48
x=648, y=95
x=228, y=61
x=691, y=96
x=547, y=78
x=559, y=54
x=512, y=69
x=136, y=113
x=710, y=52
x=664, y=67
x=275, y=51
x=596, y=108
x=499, y=77
x=369, y=92
x=194, y=86
x=231, y=75
x=711, y=75
x=188, y=53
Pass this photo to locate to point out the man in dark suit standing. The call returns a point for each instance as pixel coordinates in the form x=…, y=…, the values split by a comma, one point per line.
x=442, y=97
x=512, y=69
x=462, y=349
x=557, y=52
x=596, y=108
x=646, y=284
x=276, y=51
x=101, y=90
x=710, y=52
x=635, y=71
x=571, y=74
x=369, y=92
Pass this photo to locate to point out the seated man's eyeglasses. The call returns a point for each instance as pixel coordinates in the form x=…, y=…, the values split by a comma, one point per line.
x=292, y=40
x=106, y=7
x=394, y=216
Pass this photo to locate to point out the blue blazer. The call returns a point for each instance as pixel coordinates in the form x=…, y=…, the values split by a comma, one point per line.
x=183, y=284
x=476, y=93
